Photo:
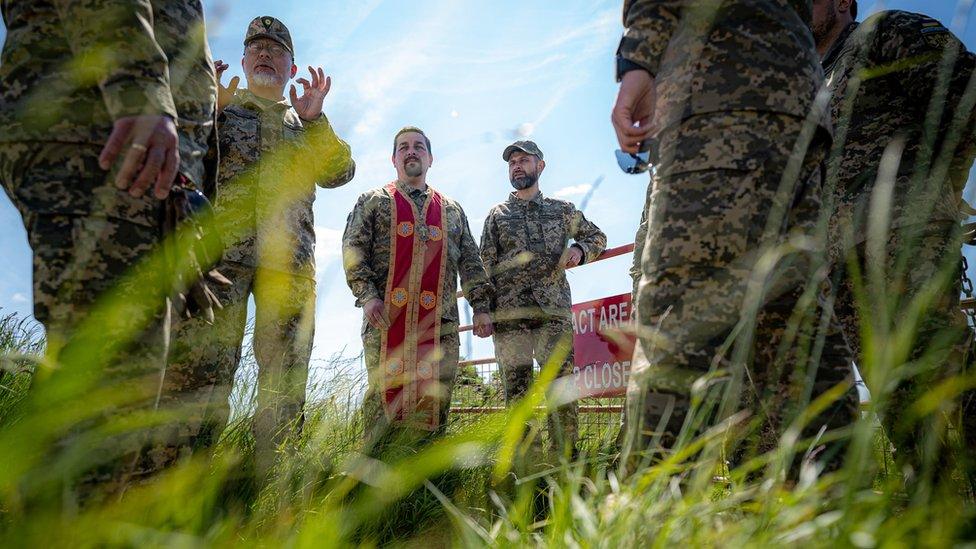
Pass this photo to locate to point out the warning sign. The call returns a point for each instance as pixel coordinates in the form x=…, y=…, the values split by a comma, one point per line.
x=603, y=342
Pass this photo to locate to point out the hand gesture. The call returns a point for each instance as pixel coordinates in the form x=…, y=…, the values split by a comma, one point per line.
x=572, y=257
x=634, y=110
x=309, y=105
x=375, y=313
x=225, y=95
x=152, y=153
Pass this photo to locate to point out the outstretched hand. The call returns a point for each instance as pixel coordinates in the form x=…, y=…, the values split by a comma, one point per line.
x=309, y=105
x=225, y=95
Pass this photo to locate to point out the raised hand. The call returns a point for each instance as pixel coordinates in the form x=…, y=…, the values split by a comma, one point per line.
x=225, y=95
x=152, y=155
x=309, y=105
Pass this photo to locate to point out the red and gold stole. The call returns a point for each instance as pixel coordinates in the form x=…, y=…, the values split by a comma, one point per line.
x=409, y=351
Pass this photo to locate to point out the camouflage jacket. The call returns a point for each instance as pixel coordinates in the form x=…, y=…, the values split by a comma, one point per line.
x=270, y=162
x=366, y=253
x=69, y=69
x=883, y=75
x=521, y=246
x=724, y=55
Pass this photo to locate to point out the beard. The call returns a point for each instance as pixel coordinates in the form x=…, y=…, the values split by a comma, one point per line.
x=822, y=29
x=413, y=168
x=524, y=181
x=264, y=80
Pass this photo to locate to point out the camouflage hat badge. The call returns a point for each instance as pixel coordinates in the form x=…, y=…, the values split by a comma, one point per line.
x=270, y=28
x=528, y=147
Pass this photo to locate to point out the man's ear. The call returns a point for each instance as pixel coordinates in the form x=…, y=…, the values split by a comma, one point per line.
x=844, y=6
x=294, y=70
x=542, y=165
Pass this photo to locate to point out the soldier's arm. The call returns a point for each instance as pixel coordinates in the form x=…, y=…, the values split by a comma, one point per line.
x=489, y=248
x=332, y=157
x=474, y=280
x=587, y=236
x=113, y=44
x=649, y=26
x=357, y=241
x=933, y=67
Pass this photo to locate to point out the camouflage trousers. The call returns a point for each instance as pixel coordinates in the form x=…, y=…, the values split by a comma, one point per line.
x=204, y=361
x=544, y=338
x=380, y=432
x=104, y=315
x=728, y=312
x=916, y=260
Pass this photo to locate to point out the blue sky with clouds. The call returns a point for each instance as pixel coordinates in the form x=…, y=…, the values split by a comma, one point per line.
x=475, y=75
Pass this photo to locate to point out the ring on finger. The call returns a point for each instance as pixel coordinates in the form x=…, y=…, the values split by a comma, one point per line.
x=138, y=147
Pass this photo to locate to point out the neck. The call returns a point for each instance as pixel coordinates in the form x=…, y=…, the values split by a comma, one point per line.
x=419, y=182
x=271, y=93
x=528, y=193
x=823, y=46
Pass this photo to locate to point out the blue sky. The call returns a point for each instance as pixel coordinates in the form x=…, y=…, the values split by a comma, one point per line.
x=475, y=76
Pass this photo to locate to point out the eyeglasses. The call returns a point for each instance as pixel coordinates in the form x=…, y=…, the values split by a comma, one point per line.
x=635, y=163
x=273, y=49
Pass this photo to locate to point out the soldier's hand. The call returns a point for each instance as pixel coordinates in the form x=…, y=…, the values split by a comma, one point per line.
x=224, y=95
x=152, y=155
x=482, y=325
x=376, y=314
x=572, y=257
x=634, y=111
x=309, y=105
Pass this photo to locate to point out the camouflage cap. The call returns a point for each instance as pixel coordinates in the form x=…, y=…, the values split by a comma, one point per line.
x=270, y=28
x=528, y=147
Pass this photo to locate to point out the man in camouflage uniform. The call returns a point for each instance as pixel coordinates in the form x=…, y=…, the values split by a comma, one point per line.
x=366, y=250
x=524, y=249
x=892, y=136
x=99, y=102
x=727, y=90
x=273, y=153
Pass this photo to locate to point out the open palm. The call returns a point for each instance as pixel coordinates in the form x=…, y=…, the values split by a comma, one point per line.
x=309, y=105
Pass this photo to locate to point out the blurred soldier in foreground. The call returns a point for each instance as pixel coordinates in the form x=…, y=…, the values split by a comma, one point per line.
x=103, y=105
x=726, y=90
x=904, y=129
x=273, y=153
x=524, y=249
x=403, y=248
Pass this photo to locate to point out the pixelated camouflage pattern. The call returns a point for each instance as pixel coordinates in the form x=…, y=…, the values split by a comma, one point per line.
x=543, y=338
x=366, y=253
x=268, y=152
x=266, y=26
x=77, y=260
x=717, y=56
x=204, y=360
x=883, y=74
x=640, y=238
x=711, y=216
x=70, y=68
x=522, y=246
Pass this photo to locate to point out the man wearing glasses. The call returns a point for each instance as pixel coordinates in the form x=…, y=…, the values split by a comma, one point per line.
x=526, y=251
x=723, y=90
x=273, y=153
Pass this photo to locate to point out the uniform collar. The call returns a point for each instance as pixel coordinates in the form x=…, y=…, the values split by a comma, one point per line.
x=247, y=98
x=537, y=199
x=834, y=52
x=407, y=190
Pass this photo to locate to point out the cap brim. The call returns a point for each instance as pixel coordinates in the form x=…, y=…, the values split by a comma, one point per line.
x=512, y=148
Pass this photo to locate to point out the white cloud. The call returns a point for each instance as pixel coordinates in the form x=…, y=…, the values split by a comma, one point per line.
x=328, y=245
x=19, y=298
x=573, y=190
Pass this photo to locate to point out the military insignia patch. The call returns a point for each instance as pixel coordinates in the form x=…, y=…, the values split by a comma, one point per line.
x=405, y=229
x=428, y=300
x=399, y=297
x=267, y=22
